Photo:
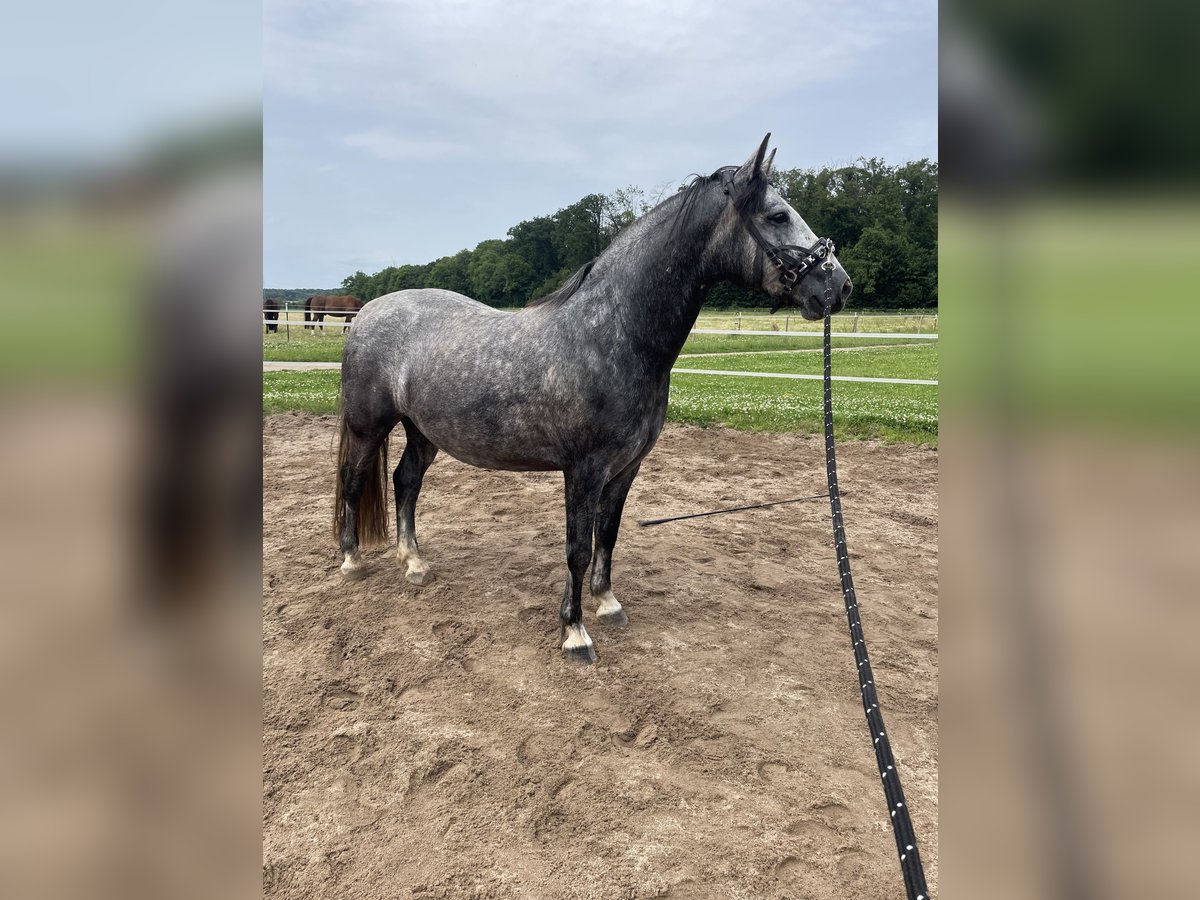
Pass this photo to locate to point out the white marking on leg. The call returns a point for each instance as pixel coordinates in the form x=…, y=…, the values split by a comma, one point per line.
x=576, y=637
x=416, y=572
x=608, y=604
x=352, y=564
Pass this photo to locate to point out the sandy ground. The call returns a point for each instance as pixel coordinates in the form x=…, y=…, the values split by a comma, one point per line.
x=431, y=742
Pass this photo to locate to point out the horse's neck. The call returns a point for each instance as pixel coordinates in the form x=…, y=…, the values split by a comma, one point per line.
x=651, y=283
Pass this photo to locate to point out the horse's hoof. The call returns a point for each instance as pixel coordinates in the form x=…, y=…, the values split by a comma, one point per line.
x=581, y=656
x=616, y=619
x=354, y=573
x=418, y=577
x=609, y=611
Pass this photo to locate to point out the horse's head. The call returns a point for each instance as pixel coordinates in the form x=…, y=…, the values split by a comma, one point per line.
x=777, y=252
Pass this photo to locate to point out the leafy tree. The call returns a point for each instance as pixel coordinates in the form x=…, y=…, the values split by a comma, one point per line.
x=452, y=273
x=359, y=285
x=579, y=232
x=882, y=218
x=533, y=241
x=882, y=263
x=623, y=206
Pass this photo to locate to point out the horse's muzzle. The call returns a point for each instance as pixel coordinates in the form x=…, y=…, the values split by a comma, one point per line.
x=809, y=298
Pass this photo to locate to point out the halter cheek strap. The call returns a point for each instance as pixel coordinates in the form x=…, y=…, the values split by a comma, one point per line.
x=792, y=261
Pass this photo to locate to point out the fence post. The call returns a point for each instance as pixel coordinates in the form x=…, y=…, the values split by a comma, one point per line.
x=856, y=323
x=739, y=320
x=921, y=324
x=787, y=323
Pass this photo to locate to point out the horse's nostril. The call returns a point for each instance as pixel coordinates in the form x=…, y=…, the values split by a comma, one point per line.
x=847, y=287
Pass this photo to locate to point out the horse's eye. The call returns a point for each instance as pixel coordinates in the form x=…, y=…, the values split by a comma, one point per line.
x=779, y=218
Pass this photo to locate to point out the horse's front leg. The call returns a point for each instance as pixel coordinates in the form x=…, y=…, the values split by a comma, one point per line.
x=608, y=523
x=583, y=493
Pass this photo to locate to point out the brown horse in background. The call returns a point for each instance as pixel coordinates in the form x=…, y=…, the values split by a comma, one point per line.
x=318, y=306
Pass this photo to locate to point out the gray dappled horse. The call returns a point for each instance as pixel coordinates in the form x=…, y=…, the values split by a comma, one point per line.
x=576, y=382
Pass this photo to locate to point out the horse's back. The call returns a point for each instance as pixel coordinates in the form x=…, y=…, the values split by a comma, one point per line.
x=404, y=328
x=423, y=311
x=430, y=299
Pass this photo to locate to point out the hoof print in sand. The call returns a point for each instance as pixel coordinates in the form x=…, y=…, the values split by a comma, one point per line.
x=352, y=743
x=772, y=770
x=639, y=739
x=342, y=699
x=454, y=633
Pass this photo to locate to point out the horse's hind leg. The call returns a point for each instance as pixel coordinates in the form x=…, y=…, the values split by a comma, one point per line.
x=418, y=456
x=583, y=494
x=361, y=508
x=608, y=523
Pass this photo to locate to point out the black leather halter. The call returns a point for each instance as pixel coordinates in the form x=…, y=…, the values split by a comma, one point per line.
x=792, y=261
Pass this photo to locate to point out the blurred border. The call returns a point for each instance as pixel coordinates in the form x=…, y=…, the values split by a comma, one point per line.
x=1071, y=497
x=130, y=255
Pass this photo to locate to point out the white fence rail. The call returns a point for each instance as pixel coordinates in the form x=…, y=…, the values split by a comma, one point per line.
x=875, y=335
x=272, y=366
x=858, y=378
x=285, y=323
x=872, y=335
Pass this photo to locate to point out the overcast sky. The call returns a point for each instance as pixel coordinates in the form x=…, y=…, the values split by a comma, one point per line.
x=398, y=132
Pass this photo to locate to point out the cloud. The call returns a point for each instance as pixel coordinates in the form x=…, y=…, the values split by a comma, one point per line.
x=387, y=145
x=568, y=61
x=517, y=108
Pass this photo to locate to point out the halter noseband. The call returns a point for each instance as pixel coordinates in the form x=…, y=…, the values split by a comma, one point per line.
x=792, y=261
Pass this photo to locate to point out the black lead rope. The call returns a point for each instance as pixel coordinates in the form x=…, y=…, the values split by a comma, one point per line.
x=646, y=523
x=906, y=838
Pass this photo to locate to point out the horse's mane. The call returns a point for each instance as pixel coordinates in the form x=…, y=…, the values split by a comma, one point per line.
x=744, y=200
x=689, y=193
x=562, y=294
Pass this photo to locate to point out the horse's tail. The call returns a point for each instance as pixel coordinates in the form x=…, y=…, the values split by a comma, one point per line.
x=307, y=307
x=372, y=502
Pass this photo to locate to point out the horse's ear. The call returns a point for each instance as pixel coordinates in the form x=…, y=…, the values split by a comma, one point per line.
x=769, y=165
x=754, y=165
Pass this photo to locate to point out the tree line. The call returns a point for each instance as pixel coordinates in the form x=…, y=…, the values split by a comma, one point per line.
x=882, y=218
x=293, y=298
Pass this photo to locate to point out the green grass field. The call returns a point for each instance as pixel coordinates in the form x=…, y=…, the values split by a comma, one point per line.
x=308, y=348
x=735, y=343
x=872, y=362
x=314, y=392
x=328, y=348
x=890, y=412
